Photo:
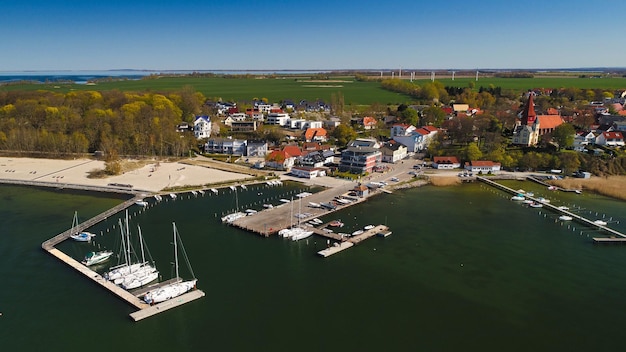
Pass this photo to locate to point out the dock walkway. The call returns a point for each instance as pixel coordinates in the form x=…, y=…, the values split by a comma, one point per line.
x=133, y=298
x=562, y=211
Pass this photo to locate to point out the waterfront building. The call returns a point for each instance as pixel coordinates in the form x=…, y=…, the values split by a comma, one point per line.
x=446, y=162
x=202, y=127
x=360, y=160
x=393, y=152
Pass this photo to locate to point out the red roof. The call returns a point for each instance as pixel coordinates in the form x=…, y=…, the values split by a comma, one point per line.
x=403, y=125
x=292, y=150
x=278, y=156
x=430, y=128
x=446, y=160
x=529, y=114
x=549, y=121
x=483, y=163
x=369, y=121
x=314, y=132
x=613, y=135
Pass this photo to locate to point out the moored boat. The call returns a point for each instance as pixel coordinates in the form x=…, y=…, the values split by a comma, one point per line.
x=565, y=218
x=336, y=223
x=93, y=258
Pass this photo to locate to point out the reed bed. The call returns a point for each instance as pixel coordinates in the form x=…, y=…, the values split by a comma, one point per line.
x=610, y=186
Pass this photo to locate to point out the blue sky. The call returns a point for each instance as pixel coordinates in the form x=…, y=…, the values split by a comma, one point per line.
x=313, y=35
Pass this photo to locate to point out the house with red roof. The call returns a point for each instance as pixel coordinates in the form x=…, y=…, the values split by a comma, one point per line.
x=369, y=122
x=610, y=139
x=446, y=162
x=293, y=150
x=482, y=166
x=280, y=160
x=315, y=135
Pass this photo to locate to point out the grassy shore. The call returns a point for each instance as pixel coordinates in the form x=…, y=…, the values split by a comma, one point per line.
x=610, y=186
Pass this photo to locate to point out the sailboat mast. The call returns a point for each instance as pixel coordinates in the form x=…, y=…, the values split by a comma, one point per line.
x=175, y=251
x=143, y=257
x=128, y=258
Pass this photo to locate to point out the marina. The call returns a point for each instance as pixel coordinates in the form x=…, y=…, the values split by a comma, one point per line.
x=539, y=202
x=145, y=310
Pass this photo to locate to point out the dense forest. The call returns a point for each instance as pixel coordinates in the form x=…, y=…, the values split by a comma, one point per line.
x=85, y=121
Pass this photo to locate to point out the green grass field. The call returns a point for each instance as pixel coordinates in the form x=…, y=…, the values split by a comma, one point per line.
x=298, y=88
x=522, y=84
x=245, y=89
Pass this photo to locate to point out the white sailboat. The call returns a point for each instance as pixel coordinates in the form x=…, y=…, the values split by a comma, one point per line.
x=145, y=274
x=82, y=236
x=229, y=218
x=177, y=288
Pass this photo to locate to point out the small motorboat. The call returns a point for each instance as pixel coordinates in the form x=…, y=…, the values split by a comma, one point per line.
x=535, y=205
x=368, y=227
x=600, y=222
x=336, y=223
x=357, y=232
x=518, y=197
x=565, y=218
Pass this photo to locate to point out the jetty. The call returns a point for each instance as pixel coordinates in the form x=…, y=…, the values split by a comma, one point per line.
x=616, y=235
x=132, y=298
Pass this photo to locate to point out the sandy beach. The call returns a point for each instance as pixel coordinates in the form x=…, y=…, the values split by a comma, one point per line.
x=151, y=177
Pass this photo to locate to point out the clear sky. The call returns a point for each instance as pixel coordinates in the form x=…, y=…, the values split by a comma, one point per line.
x=312, y=35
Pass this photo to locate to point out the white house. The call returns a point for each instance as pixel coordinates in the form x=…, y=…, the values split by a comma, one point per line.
x=202, y=127
x=418, y=139
x=256, y=148
x=393, y=152
x=307, y=172
x=226, y=146
x=401, y=129
x=296, y=124
x=610, y=139
x=276, y=118
x=582, y=140
x=446, y=162
x=482, y=166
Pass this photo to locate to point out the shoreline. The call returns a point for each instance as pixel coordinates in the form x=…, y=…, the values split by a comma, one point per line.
x=155, y=176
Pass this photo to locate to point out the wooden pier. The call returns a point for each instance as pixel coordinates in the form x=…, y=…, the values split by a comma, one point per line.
x=348, y=242
x=617, y=236
x=133, y=298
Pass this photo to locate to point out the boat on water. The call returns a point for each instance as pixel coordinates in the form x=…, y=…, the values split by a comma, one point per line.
x=141, y=203
x=368, y=227
x=83, y=236
x=357, y=232
x=543, y=200
x=565, y=218
x=250, y=211
x=600, y=222
x=214, y=191
x=301, y=234
x=518, y=197
x=535, y=205
x=176, y=288
x=285, y=200
x=336, y=223
x=528, y=201
x=243, y=186
x=230, y=218
x=201, y=192
x=232, y=188
x=93, y=258
x=173, y=195
x=195, y=193
x=267, y=206
x=128, y=274
x=158, y=197
x=317, y=221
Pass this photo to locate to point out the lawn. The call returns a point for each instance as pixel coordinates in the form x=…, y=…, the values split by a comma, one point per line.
x=523, y=84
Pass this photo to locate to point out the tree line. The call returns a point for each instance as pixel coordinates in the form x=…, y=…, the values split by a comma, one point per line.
x=114, y=122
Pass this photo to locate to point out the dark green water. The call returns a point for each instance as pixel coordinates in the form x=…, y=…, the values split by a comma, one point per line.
x=465, y=269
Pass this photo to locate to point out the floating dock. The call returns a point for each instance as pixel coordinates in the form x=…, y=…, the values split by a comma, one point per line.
x=347, y=242
x=132, y=298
